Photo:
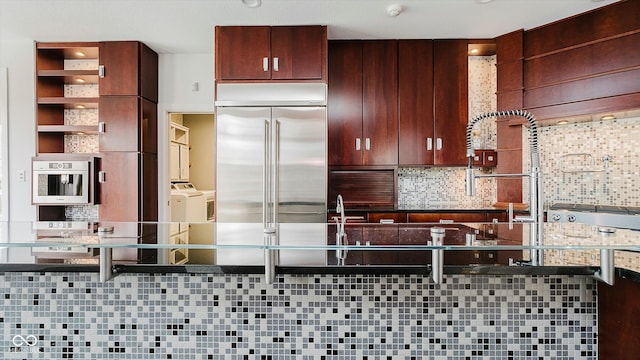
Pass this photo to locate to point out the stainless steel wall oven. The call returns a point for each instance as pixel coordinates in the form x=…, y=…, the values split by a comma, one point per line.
x=61, y=182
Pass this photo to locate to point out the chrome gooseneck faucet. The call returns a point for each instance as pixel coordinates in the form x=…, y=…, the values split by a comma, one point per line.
x=341, y=235
x=536, y=212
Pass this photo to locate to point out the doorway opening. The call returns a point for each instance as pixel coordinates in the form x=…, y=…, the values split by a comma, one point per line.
x=192, y=153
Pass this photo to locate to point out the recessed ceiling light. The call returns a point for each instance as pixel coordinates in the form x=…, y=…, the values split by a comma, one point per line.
x=473, y=51
x=80, y=80
x=79, y=106
x=483, y=1
x=563, y=122
x=608, y=117
x=252, y=3
x=80, y=54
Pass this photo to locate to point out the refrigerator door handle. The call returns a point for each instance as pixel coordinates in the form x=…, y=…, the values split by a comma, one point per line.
x=265, y=175
x=276, y=171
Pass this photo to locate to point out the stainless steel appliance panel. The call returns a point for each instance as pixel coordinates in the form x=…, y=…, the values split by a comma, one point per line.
x=241, y=167
x=301, y=164
x=60, y=182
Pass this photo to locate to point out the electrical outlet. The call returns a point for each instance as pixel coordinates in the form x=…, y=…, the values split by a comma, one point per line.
x=22, y=175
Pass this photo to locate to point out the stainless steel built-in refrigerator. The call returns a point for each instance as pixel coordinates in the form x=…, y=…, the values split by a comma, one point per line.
x=271, y=165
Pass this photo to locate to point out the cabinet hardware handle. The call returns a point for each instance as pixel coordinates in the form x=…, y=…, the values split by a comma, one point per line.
x=101, y=71
x=101, y=127
x=438, y=143
x=367, y=144
x=101, y=176
x=357, y=144
x=265, y=64
x=276, y=66
x=429, y=144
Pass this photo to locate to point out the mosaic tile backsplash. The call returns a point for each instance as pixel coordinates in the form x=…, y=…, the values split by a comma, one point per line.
x=592, y=163
x=179, y=316
x=433, y=188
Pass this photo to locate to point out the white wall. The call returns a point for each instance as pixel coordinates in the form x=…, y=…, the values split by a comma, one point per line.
x=203, y=150
x=18, y=57
x=178, y=73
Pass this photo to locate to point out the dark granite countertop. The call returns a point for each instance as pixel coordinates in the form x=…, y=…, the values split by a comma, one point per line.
x=334, y=270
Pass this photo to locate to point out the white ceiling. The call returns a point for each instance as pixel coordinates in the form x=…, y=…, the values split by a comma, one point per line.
x=186, y=26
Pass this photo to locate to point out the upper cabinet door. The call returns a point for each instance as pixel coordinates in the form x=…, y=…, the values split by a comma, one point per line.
x=128, y=123
x=362, y=103
x=451, y=109
x=243, y=52
x=415, y=93
x=344, y=103
x=380, y=102
x=246, y=53
x=298, y=52
x=128, y=68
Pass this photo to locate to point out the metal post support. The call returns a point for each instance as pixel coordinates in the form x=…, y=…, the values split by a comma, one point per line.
x=607, y=271
x=607, y=268
x=106, y=264
x=437, y=255
x=270, y=258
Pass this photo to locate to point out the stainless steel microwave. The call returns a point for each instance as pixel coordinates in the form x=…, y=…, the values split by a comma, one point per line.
x=61, y=182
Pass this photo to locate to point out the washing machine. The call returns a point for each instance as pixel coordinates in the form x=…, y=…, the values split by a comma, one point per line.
x=210, y=204
x=187, y=203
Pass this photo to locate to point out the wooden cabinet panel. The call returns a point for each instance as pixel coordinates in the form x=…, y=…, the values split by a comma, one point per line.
x=510, y=90
x=363, y=188
x=618, y=314
x=130, y=190
x=300, y=52
x=130, y=68
x=362, y=103
x=241, y=52
x=380, y=102
x=442, y=216
x=148, y=191
x=616, y=84
x=344, y=104
x=585, y=61
x=618, y=18
x=589, y=69
x=130, y=124
x=119, y=200
x=271, y=53
x=415, y=94
x=397, y=217
x=451, y=113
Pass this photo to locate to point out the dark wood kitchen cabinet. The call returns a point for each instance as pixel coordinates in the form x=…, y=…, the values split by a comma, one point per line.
x=127, y=136
x=128, y=68
x=271, y=53
x=129, y=187
x=445, y=217
x=128, y=123
x=415, y=90
x=433, y=102
x=363, y=102
x=450, y=101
